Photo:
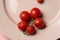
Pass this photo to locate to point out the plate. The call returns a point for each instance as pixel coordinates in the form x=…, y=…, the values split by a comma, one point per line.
x=48, y=8
x=9, y=17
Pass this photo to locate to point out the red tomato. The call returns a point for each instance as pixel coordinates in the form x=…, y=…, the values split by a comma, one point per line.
x=35, y=13
x=30, y=30
x=22, y=25
x=25, y=16
x=39, y=23
x=40, y=1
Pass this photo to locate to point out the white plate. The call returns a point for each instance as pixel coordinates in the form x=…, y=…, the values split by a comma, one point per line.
x=9, y=17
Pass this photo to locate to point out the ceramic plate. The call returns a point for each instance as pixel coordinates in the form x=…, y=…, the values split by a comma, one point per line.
x=9, y=17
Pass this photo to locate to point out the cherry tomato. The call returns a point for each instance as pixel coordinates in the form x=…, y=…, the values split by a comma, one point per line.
x=22, y=25
x=30, y=30
x=25, y=16
x=35, y=13
x=39, y=23
x=40, y=1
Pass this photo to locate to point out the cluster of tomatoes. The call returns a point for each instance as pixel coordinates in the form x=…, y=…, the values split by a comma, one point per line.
x=30, y=21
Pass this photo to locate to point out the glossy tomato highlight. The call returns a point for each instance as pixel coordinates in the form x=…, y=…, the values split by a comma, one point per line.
x=39, y=23
x=30, y=30
x=35, y=13
x=22, y=25
x=25, y=16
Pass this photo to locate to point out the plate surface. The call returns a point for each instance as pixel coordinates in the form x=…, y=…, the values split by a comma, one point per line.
x=49, y=8
x=9, y=17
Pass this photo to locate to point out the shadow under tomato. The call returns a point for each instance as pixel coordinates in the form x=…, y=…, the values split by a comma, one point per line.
x=44, y=26
x=58, y=39
x=34, y=33
x=29, y=34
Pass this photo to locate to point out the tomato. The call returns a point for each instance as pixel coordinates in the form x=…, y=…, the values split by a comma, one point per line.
x=30, y=30
x=35, y=13
x=39, y=23
x=25, y=16
x=40, y=1
x=22, y=25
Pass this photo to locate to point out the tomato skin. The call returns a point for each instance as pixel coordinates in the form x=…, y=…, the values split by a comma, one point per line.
x=22, y=25
x=35, y=13
x=39, y=23
x=30, y=30
x=25, y=16
x=40, y=1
